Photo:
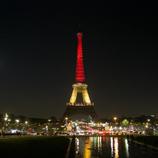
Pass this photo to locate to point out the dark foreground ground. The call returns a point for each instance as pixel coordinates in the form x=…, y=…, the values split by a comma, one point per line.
x=33, y=147
x=148, y=140
x=56, y=147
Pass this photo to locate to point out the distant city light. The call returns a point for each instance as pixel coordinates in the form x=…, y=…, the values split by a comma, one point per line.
x=148, y=120
x=146, y=126
x=49, y=120
x=115, y=118
x=17, y=120
x=6, y=117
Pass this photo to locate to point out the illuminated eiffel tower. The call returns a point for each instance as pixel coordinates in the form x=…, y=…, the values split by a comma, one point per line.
x=85, y=106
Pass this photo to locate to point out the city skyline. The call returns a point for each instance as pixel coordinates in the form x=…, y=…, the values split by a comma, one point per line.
x=38, y=57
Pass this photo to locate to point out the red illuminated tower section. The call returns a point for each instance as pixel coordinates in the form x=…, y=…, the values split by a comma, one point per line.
x=80, y=73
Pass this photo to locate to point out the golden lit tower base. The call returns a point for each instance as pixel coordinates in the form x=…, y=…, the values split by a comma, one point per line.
x=80, y=88
x=85, y=107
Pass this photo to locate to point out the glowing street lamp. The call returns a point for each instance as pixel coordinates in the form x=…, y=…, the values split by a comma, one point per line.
x=46, y=128
x=17, y=120
x=148, y=120
x=114, y=118
x=6, y=120
x=6, y=117
x=66, y=118
x=49, y=120
x=26, y=122
x=146, y=126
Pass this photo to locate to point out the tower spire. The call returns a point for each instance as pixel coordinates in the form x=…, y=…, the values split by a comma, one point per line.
x=80, y=73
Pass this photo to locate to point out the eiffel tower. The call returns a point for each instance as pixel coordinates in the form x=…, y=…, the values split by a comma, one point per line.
x=85, y=106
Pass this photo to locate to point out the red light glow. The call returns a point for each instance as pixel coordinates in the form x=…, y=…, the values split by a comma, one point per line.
x=80, y=74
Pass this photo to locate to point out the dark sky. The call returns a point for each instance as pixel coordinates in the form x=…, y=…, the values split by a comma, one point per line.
x=38, y=54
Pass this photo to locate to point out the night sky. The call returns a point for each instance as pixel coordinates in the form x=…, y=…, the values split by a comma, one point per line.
x=38, y=54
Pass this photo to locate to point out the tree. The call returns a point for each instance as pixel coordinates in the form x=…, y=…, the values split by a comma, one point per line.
x=125, y=123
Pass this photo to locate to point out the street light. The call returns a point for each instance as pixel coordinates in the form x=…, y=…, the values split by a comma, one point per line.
x=146, y=126
x=6, y=120
x=148, y=120
x=114, y=118
x=49, y=120
x=17, y=120
x=6, y=117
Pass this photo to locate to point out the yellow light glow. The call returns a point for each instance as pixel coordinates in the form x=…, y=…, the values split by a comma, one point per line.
x=116, y=150
x=6, y=115
x=80, y=88
x=148, y=120
x=17, y=120
x=87, y=151
x=115, y=118
x=146, y=126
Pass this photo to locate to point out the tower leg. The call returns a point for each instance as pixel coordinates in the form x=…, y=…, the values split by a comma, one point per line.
x=73, y=96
